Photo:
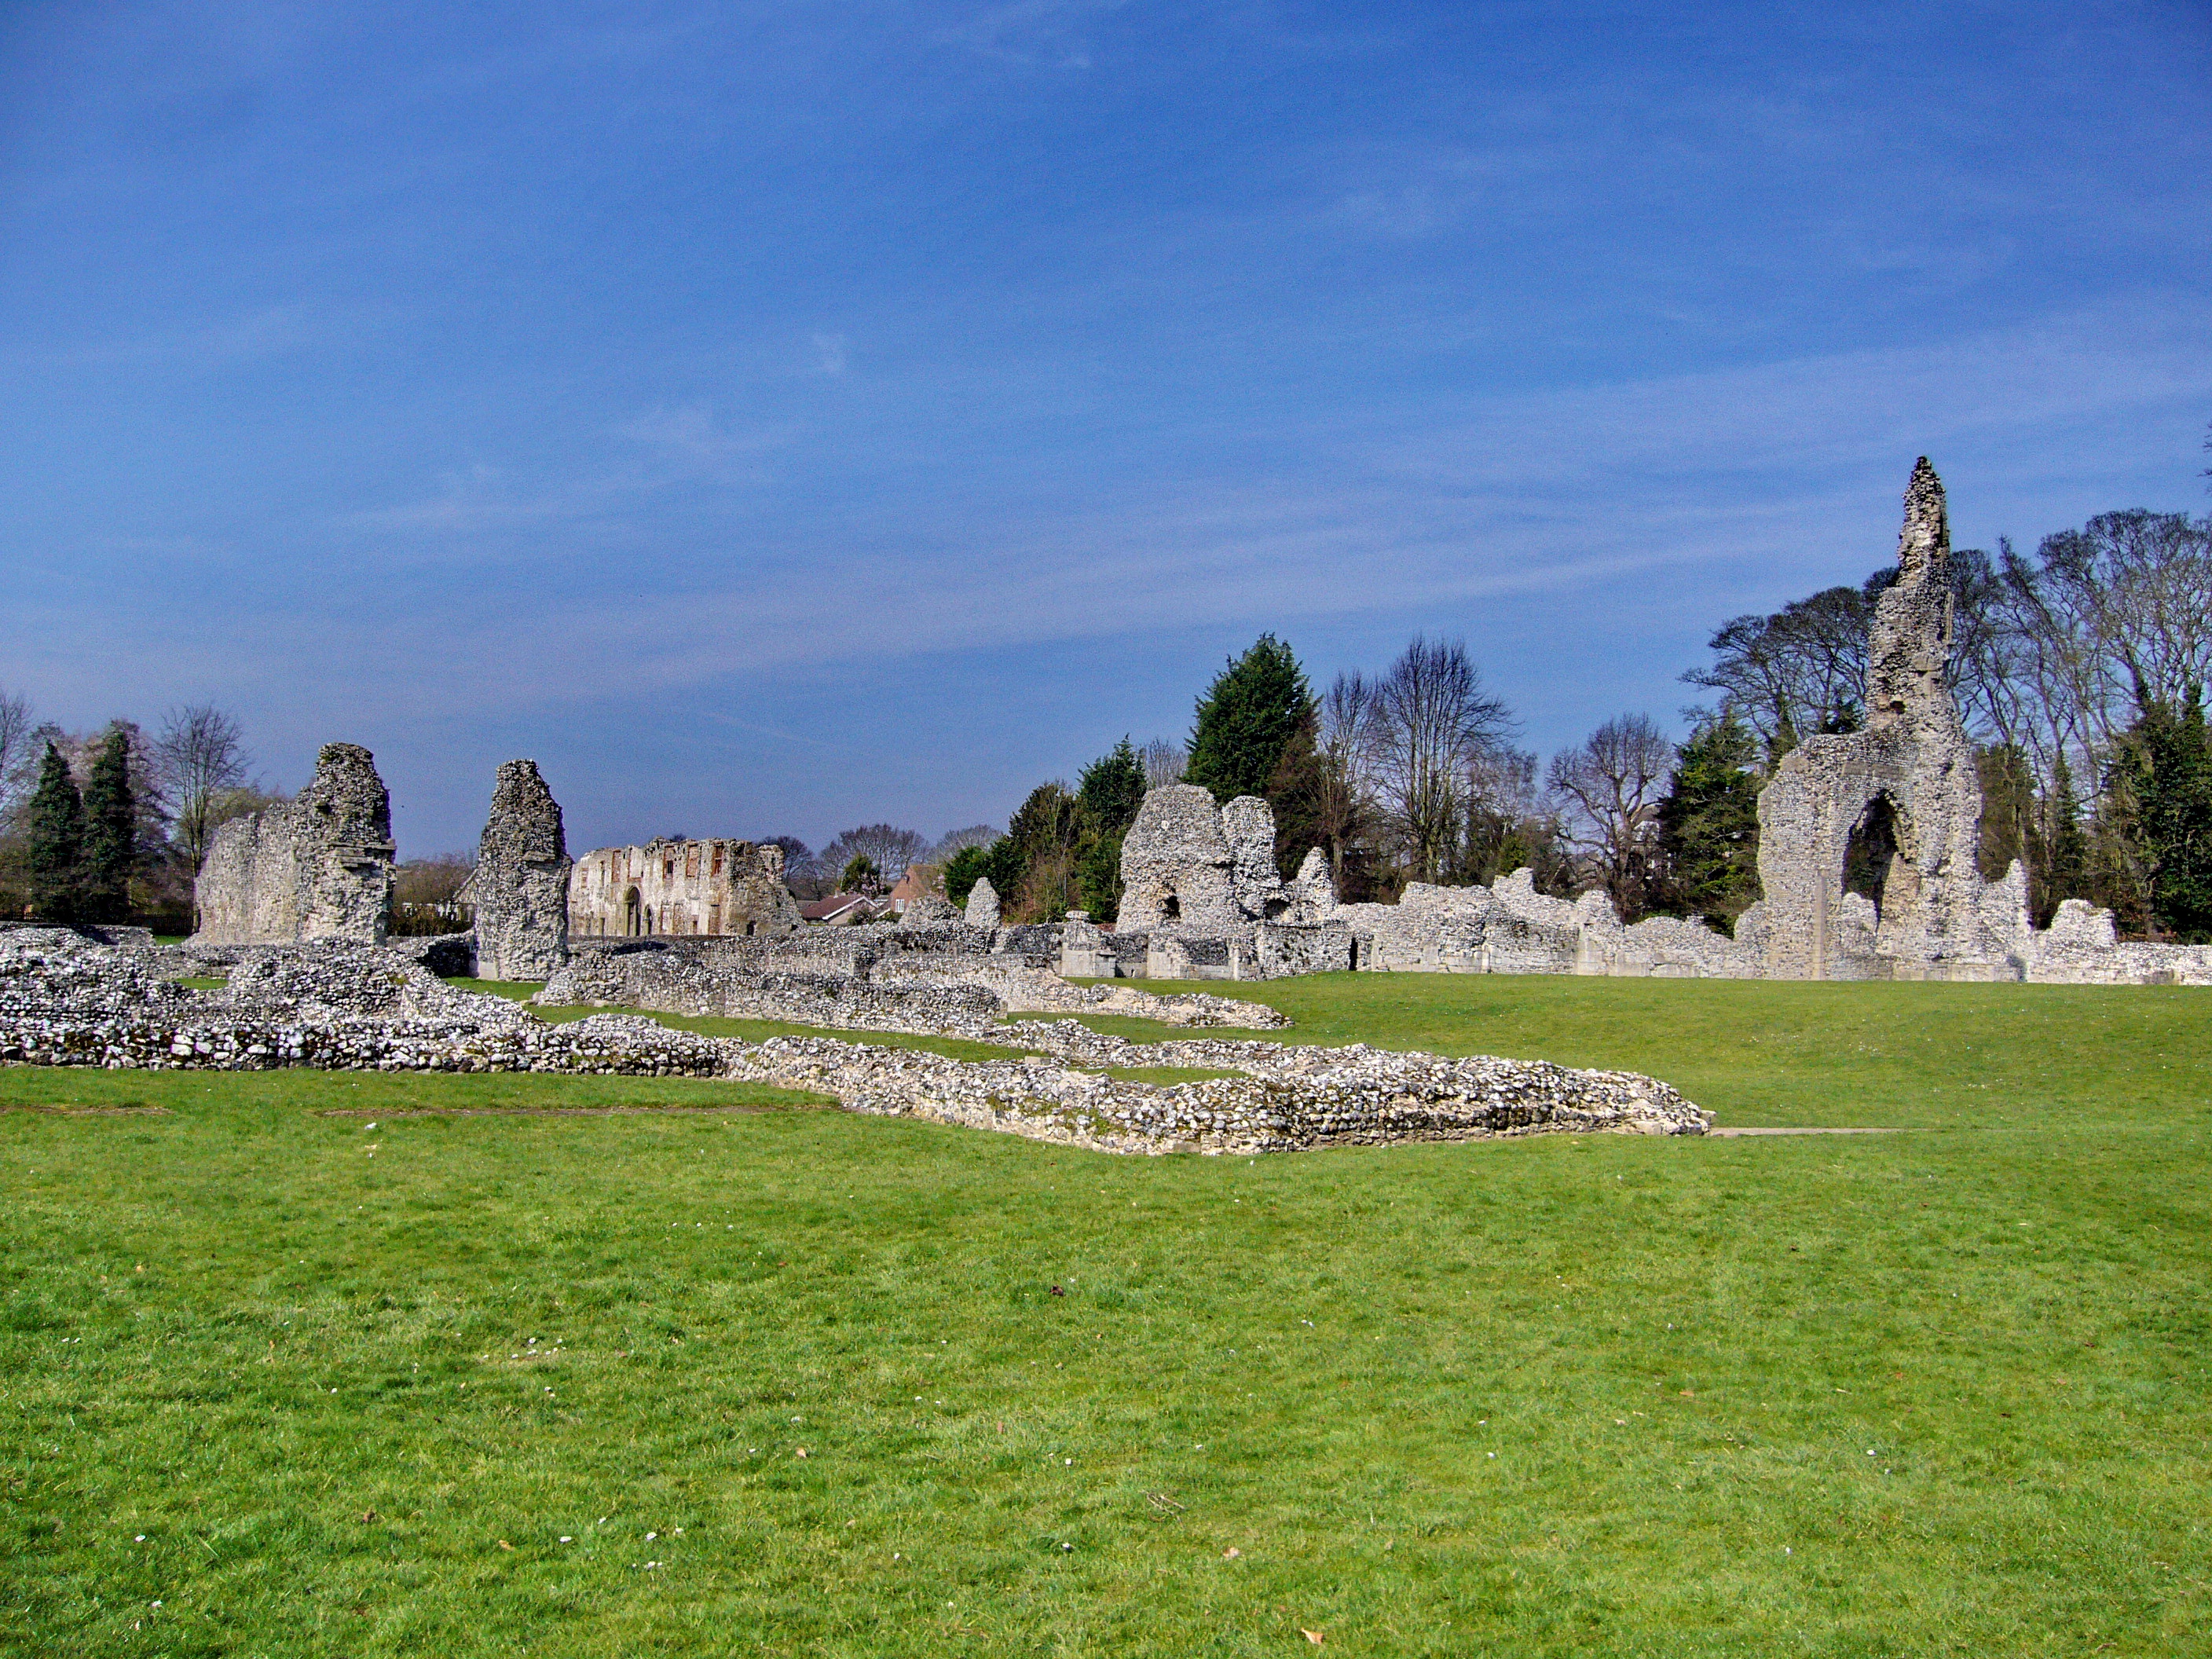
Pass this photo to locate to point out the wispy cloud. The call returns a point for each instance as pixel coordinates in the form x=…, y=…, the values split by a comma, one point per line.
x=1031, y=31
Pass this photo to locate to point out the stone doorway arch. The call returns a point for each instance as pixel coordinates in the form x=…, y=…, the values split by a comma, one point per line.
x=1878, y=863
x=633, y=916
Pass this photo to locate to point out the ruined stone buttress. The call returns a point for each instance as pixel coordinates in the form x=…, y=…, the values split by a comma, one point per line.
x=520, y=887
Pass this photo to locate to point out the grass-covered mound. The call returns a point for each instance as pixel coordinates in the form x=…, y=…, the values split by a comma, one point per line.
x=1934, y=1393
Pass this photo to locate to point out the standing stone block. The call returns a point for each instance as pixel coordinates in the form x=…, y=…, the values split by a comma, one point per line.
x=319, y=867
x=983, y=904
x=520, y=888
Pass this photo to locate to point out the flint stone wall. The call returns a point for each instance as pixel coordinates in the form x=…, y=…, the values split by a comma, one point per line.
x=319, y=867
x=520, y=886
x=65, y=1000
x=983, y=909
x=673, y=888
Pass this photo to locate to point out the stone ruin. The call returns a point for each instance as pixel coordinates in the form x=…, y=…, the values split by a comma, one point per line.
x=333, y=1005
x=1900, y=799
x=679, y=888
x=319, y=866
x=1902, y=794
x=983, y=909
x=1202, y=899
x=520, y=886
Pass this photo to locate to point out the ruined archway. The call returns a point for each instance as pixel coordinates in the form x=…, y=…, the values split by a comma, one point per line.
x=1871, y=851
x=632, y=914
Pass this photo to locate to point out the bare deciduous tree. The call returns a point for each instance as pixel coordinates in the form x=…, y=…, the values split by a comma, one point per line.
x=15, y=728
x=1347, y=745
x=886, y=846
x=1165, y=760
x=1613, y=783
x=1433, y=716
x=201, y=755
x=956, y=841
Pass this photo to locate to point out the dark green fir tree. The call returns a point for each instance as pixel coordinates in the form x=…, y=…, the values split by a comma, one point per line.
x=53, y=851
x=1709, y=823
x=110, y=832
x=1250, y=714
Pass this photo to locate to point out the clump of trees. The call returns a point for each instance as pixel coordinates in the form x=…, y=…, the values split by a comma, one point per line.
x=1062, y=847
x=112, y=825
x=426, y=896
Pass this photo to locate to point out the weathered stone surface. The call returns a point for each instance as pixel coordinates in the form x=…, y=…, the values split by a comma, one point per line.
x=319, y=867
x=66, y=1001
x=1909, y=778
x=1247, y=824
x=1176, y=864
x=680, y=888
x=520, y=887
x=983, y=904
x=929, y=910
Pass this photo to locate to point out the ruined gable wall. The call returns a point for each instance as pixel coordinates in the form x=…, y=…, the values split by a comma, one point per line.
x=1916, y=753
x=319, y=867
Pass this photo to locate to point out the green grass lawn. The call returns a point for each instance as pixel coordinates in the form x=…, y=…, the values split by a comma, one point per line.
x=1937, y=1392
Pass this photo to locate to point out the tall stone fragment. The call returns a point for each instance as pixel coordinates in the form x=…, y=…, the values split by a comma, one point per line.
x=520, y=887
x=1248, y=823
x=1176, y=864
x=319, y=867
x=983, y=904
x=1902, y=795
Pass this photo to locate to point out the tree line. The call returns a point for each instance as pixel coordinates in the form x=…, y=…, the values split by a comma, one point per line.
x=113, y=825
x=2078, y=670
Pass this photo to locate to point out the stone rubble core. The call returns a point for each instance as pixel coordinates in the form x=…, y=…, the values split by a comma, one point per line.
x=944, y=981
x=331, y=1005
x=1202, y=901
x=319, y=866
x=519, y=888
x=66, y=1000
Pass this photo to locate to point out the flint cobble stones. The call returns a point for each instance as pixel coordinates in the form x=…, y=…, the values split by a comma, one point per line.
x=65, y=1001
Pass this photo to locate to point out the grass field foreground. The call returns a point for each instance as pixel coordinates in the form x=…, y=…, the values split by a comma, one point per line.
x=310, y=1364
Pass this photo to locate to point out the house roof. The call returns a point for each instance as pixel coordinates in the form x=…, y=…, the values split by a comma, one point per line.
x=829, y=909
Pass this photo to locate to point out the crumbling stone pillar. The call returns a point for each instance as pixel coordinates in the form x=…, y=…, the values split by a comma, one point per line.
x=520, y=887
x=1176, y=864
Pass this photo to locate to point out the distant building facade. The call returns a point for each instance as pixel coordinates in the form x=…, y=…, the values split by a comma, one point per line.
x=712, y=887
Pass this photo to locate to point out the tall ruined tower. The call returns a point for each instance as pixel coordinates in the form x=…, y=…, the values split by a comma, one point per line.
x=1902, y=794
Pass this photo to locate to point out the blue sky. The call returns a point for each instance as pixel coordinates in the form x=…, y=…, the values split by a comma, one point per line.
x=777, y=416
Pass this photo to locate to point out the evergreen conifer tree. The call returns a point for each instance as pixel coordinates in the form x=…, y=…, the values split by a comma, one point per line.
x=2166, y=761
x=1709, y=823
x=1248, y=716
x=111, y=833
x=1111, y=789
x=53, y=851
x=2062, y=866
